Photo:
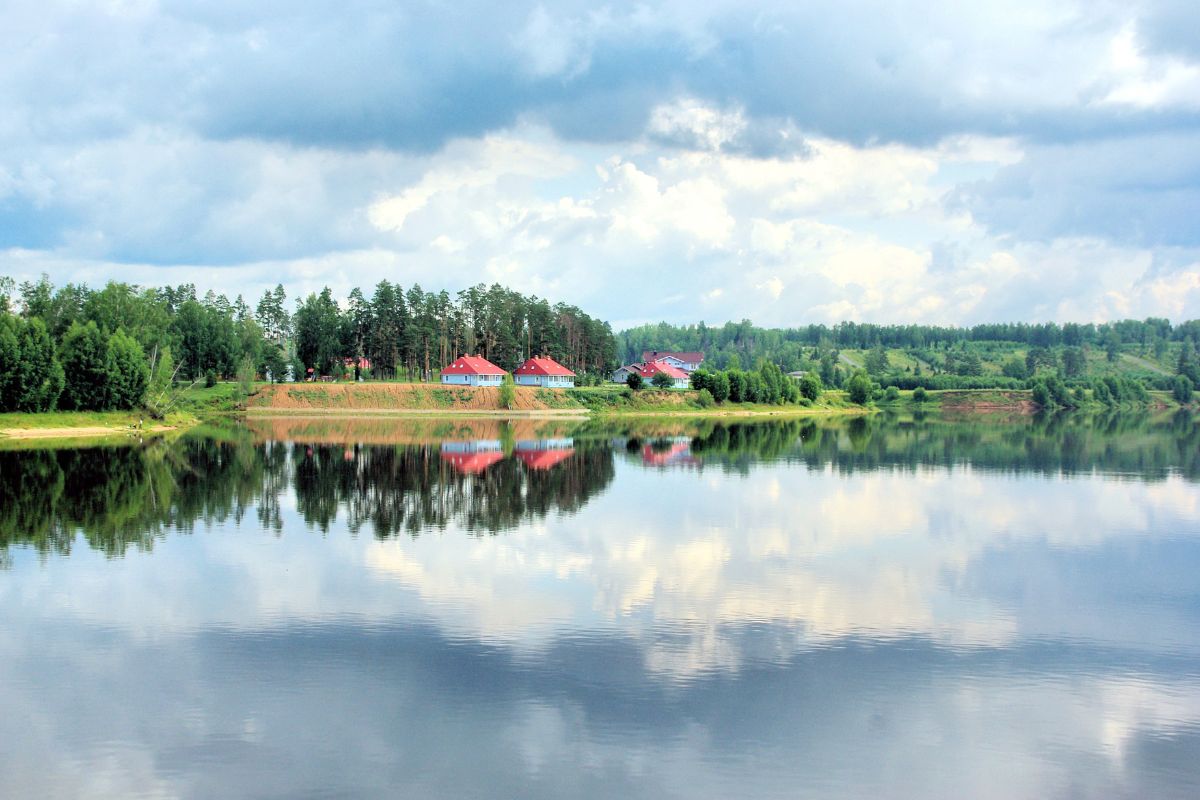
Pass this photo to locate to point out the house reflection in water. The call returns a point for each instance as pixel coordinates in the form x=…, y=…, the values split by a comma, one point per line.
x=544, y=453
x=672, y=452
x=472, y=458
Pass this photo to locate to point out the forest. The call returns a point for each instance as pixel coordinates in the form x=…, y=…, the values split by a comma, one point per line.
x=122, y=346
x=1151, y=352
x=73, y=347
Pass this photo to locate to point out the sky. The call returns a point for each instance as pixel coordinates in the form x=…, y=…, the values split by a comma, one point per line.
x=790, y=163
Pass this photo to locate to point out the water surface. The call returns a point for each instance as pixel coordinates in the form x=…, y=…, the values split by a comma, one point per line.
x=871, y=607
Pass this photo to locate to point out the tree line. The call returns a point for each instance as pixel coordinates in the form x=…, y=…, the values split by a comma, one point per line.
x=73, y=347
x=743, y=343
x=412, y=333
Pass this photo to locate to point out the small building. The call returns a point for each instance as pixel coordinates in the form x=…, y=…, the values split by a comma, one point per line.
x=689, y=362
x=647, y=370
x=622, y=374
x=472, y=371
x=544, y=371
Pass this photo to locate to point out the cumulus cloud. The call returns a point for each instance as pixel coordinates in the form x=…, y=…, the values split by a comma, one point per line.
x=795, y=164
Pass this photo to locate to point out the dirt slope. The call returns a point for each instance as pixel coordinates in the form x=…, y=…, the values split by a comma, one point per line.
x=402, y=396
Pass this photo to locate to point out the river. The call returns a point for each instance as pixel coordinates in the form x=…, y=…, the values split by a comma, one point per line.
x=872, y=607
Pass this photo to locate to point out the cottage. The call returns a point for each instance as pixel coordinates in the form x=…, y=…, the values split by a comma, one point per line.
x=544, y=371
x=689, y=362
x=647, y=371
x=472, y=371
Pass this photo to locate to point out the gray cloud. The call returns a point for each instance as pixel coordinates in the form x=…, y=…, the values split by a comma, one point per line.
x=209, y=134
x=370, y=73
x=1142, y=191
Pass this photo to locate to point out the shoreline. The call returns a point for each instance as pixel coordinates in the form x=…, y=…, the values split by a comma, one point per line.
x=96, y=426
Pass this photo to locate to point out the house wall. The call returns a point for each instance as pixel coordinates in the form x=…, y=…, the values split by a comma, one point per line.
x=549, y=381
x=472, y=380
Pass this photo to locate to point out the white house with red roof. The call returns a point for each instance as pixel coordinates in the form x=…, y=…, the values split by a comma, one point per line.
x=689, y=362
x=648, y=369
x=472, y=371
x=544, y=371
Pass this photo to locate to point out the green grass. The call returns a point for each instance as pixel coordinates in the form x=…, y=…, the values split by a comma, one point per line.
x=70, y=419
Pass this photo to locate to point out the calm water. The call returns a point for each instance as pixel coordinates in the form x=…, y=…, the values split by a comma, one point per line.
x=867, y=608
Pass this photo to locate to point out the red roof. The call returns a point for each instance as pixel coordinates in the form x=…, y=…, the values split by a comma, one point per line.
x=544, y=459
x=471, y=365
x=472, y=463
x=687, y=358
x=543, y=365
x=648, y=369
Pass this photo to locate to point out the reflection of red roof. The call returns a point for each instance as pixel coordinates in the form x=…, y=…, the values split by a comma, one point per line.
x=539, y=365
x=472, y=463
x=472, y=365
x=648, y=369
x=687, y=358
x=544, y=459
x=677, y=453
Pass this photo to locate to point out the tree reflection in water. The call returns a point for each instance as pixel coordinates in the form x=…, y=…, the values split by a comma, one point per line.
x=119, y=497
x=122, y=496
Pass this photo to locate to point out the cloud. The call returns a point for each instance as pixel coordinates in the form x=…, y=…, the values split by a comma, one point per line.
x=1141, y=191
x=871, y=161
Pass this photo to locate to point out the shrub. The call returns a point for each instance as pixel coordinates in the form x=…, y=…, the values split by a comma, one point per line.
x=719, y=386
x=508, y=392
x=919, y=395
x=1041, y=396
x=859, y=388
x=1182, y=389
x=634, y=382
x=245, y=376
x=891, y=394
x=662, y=380
x=704, y=399
x=210, y=378
x=811, y=387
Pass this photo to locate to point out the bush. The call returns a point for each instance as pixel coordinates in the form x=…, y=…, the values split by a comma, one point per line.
x=859, y=388
x=941, y=382
x=245, y=376
x=704, y=399
x=662, y=380
x=1041, y=396
x=635, y=382
x=508, y=392
x=891, y=394
x=210, y=378
x=1182, y=389
x=920, y=395
x=811, y=387
x=719, y=386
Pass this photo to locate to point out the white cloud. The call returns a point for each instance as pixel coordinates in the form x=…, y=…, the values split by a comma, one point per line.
x=1147, y=82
